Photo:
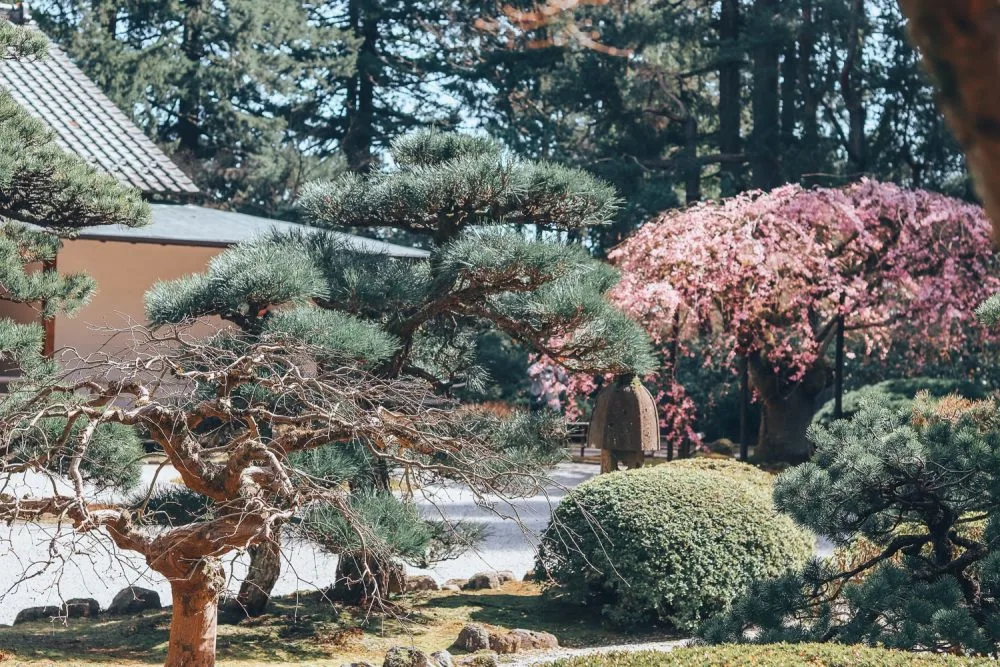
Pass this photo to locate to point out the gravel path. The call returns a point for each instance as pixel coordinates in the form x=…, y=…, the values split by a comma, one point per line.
x=546, y=657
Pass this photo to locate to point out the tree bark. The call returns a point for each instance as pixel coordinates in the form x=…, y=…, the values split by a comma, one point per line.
x=809, y=146
x=360, y=126
x=959, y=41
x=765, y=149
x=265, y=568
x=193, y=626
x=729, y=95
x=189, y=103
x=787, y=411
x=857, y=149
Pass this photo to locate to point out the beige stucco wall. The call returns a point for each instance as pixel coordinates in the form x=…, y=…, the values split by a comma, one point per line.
x=123, y=271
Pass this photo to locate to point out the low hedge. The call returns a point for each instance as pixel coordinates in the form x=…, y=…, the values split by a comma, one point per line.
x=673, y=543
x=773, y=655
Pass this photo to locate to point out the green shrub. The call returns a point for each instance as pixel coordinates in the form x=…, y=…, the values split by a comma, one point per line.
x=672, y=543
x=898, y=394
x=771, y=655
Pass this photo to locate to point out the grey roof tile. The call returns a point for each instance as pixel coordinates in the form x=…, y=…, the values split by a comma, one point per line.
x=89, y=124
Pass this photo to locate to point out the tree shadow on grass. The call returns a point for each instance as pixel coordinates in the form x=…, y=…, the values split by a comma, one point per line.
x=573, y=625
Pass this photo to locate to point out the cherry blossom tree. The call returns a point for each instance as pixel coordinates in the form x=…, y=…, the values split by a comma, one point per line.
x=764, y=277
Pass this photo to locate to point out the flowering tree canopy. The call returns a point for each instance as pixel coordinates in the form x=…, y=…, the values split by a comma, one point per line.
x=766, y=276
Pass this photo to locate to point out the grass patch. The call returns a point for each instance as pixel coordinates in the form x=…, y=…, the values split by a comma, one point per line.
x=775, y=655
x=305, y=628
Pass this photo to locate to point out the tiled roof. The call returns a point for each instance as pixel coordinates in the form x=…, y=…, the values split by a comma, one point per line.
x=89, y=124
x=197, y=225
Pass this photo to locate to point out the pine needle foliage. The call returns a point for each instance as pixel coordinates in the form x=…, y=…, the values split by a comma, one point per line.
x=54, y=192
x=422, y=318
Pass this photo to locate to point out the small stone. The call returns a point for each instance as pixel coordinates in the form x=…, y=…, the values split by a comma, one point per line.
x=505, y=576
x=133, y=599
x=473, y=637
x=482, y=581
x=402, y=656
x=81, y=608
x=36, y=614
x=486, y=659
x=504, y=643
x=531, y=640
x=441, y=659
x=421, y=582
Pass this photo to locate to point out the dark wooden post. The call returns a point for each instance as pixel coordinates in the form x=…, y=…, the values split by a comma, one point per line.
x=838, y=371
x=744, y=406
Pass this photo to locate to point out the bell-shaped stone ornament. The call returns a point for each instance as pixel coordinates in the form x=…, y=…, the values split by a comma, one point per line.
x=625, y=424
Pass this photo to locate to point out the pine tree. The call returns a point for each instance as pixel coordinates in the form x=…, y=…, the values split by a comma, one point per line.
x=910, y=496
x=45, y=193
x=472, y=201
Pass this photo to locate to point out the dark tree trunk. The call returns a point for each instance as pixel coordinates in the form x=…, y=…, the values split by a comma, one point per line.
x=729, y=95
x=692, y=169
x=193, y=626
x=360, y=126
x=786, y=412
x=809, y=146
x=765, y=148
x=364, y=578
x=265, y=568
x=189, y=104
x=857, y=150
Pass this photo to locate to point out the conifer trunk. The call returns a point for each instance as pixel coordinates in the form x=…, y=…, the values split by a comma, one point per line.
x=787, y=411
x=729, y=95
x=766, y=134
x=265, y=568
x=194, y=624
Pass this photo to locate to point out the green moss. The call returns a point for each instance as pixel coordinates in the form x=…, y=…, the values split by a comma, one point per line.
x=675, y=543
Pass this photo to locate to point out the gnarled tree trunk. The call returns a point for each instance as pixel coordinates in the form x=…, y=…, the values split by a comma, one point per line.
x=265, y=568
x=194, y=625
x=787, y=412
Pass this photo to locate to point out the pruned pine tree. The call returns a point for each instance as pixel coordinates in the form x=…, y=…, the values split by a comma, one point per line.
x=45, y=193
x=477, y=206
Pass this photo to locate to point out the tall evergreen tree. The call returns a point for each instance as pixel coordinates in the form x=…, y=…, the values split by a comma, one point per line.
x=422, y=318
x=230, y=86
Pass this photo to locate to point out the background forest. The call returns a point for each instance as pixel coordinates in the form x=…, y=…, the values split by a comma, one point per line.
x=672, y=101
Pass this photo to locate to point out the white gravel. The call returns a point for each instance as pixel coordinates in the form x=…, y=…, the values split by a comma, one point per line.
x=59, y=565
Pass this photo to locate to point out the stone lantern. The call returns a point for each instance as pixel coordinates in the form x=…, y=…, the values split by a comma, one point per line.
x=625, y=424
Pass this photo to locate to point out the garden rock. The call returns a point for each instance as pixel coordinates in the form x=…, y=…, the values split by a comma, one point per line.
x=487, y=659
x=401, y=656
x=473, y=637
x=357, y=664
x=36, y=614
x=529, y=576
x=532, y=640
x=133, y=600
x=482, y=581
x=451, y=587
x=421, y=582
x=506, y=576
x=441, y=659
x=81, y=608
x=456, y=582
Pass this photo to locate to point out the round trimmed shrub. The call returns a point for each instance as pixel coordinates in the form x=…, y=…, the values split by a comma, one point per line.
x=773, y=655
x=673, y=543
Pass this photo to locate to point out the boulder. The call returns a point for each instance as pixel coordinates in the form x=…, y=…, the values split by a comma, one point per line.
x=506, y=576
x=482, y=581
x=519, y=640
x=532, y=640
x=81, y=608
x=357, y=664
x=485, y=659
x=133, y=600
x=529, y=576
x=473, y=637
x=451, y=587
x=441, y=659
x=456, y=582
x=402, y=656
x=36, y=614
x=421, y=582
